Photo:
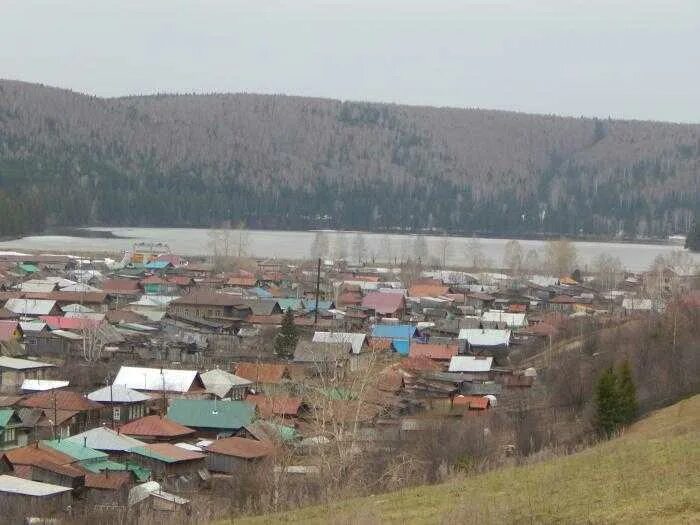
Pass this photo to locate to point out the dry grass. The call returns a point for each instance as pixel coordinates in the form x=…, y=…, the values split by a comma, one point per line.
x=649, y=475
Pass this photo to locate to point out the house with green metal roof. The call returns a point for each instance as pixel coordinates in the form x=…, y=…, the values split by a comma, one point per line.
x=212, y=416
x=28, y=268
x=85, y=456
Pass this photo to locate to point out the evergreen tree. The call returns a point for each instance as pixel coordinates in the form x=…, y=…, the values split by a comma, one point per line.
x=607, y=403
x=692, y=241
x=627, y=394
x=286, y=339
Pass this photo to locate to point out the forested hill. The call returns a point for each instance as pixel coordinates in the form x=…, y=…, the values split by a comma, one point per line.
x=292, y=162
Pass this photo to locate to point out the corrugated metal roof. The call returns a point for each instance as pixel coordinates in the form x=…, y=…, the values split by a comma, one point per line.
x=156, y=379
x=21, y=364
x=117, y=394
x=485, y=337
x=220, y=382
x=155, y=426
x=510, y=319
x=106, y=439
x=468, y=363
x=357, y=340
x=432, y=350
x=240, y=448
x=383, y=303
x=394, y=331
x=275, y=406
x=205, y=413
x=30, y=306
x=167, y=453
x=40, y=385
x=77, y=451
x=61, y=399
x=26, y=487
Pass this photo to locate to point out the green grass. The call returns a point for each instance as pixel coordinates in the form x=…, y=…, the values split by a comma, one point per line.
x=651, y=474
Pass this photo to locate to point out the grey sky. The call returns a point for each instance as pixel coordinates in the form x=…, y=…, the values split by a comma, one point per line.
x=625, y=58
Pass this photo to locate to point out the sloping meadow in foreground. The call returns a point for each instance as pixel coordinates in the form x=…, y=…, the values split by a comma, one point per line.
x=651, y=474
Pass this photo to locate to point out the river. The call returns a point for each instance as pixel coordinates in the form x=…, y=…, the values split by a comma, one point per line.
x=297, y=245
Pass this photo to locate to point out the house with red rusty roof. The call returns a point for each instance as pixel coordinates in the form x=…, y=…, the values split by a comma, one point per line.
x=156, y=429
x=435, y=351
x=385, y=304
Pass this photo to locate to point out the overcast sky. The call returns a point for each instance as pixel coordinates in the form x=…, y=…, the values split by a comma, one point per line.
x=627, y=59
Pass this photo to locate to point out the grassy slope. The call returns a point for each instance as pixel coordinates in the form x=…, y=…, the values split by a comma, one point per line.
x=649, y=475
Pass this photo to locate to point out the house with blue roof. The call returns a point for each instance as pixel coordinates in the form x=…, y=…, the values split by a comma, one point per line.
x=400, y=335
x=158, y=265
x=260, y=292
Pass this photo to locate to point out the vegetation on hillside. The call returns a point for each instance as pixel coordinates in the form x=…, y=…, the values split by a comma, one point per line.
x=612, y=482
x=292, y=162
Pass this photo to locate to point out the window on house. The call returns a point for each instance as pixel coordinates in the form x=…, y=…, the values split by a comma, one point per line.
x=116, y=413
x=64, y=432
x=8, y=435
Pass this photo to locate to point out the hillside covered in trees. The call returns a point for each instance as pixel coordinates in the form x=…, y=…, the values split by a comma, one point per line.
x=292, y=162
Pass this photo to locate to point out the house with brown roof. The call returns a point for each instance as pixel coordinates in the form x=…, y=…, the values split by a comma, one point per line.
x=110, y=487
x=229, y=455
x=270, y=378
x=435, y=351
x=156, y=429
x=385, y=304
x=275, y=406
x=428, y=288
x=211, y=305
x=64, y=411
x=38, y=462
x=122, y=291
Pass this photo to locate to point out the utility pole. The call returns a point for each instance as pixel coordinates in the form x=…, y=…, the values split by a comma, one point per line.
x=318, y=288
x=55, y=414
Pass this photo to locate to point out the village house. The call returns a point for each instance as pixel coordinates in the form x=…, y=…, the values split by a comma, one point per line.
x=229, y=455
x=63, y=412
x=479, y=341
x=399, y=334
x=501, y=319
x=435, y=351
x=270, y=378
x=275, y=406
x=44, y=499
x=162, y=381
x=124, y=403
x=156, y=428
x=211, y=305
x=323, y=359
x=385, y=304
x=32, y=307
x=11, y=429
x=10, y=331
x=211, y=417
x=223, y=384
x=173, y=467
x=104, y=439
x=14, y=371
